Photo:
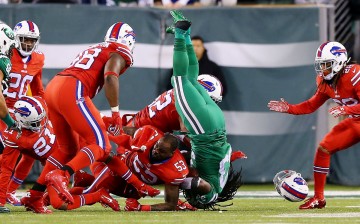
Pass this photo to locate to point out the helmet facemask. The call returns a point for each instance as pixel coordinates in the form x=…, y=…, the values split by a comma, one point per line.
x=27, y=44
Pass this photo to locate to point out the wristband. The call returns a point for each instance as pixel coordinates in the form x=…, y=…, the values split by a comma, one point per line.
x=8, y=120
x=114, y=109
x=111, y=73
x=145, y=208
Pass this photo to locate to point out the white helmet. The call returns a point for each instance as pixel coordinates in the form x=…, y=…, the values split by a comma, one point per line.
x=330, y=55
x=291, y=185
x=26, y=29
x=212, y=86
x=7, y=40
x=30, y=113
x=121, y=33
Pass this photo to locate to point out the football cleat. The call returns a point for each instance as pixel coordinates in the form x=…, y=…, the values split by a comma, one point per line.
x=4, y=209
x=33, y=201
x=146, y=190
x=12, y=199
x=59, y=180
x=312, y=203
x=107, y=201
x=180, y=21
x=82, y=179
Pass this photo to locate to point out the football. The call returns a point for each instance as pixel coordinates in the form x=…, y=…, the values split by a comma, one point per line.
x=290, y=185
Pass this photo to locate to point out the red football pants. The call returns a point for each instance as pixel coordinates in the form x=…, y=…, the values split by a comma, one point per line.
x=74, y=116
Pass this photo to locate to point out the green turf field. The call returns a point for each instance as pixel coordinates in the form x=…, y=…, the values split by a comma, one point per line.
x=244, y=210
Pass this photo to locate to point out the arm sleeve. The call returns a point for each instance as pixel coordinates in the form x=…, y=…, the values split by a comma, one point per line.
x=309, y=105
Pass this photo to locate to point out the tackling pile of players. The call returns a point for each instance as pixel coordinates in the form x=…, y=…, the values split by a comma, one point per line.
x=66, y=132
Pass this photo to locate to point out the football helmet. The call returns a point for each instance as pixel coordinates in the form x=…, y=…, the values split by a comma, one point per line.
x=331, y=57
x=7, y=40
x=212, y=86
x=121, y=33
x=30, y=112
x=26, y=29
x=291, y=185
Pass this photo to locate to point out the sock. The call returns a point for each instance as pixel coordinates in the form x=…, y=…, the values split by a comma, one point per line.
x=84, y=199
x=119, y=167
x=68, y=169
x=188, y=37
x=321, y=169
x=179, y=33
x=22, y=170
x=14, y=184
x=193, y=70
x=49, y=166
x=86, y=156
x=180, y=58
x=39, y=187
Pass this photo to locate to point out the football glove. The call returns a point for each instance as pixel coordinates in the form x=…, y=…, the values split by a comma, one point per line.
x=337, y=111
x=237, y=155
x=133, y=205
x=113, y=124
x=279, y=106
x=16, y=127
x=184, y=206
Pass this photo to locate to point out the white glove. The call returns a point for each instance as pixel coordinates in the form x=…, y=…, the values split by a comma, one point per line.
x=337, y=111
x=279, y=106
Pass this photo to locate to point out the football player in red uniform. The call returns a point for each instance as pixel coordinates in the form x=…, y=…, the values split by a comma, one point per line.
x=39, y=142
x=162, y=114
x=340, y=82
x=26, y=71
x=152, y=156
x=74, y=115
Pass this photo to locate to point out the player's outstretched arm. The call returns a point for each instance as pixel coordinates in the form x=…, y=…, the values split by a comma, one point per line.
x=279, y=106
x=171, y=200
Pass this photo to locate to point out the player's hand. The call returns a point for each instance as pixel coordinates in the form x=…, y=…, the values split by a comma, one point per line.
x=337, y=111
x=114, y=127
x=279, y=106
x=184, y=206
x=237, y=155
x=16, y=127
x=132, y=205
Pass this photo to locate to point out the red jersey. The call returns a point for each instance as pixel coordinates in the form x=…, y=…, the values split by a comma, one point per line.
x=88, y=66
x=161, y=113
x=38, y=145
x=24, y=72
x=171, y=171
x=346, y=93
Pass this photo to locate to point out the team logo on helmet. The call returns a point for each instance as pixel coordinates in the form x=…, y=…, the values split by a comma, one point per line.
x=209, y=86
x=299, y=181
x=23, y=111
x=9, y=33
x=337, y=51
x=17, y=27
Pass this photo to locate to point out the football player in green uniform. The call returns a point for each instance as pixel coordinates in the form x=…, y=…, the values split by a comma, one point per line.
x=7, y=43
x=203, y=120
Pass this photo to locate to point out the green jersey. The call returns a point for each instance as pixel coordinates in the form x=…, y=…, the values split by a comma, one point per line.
x=5, y=67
